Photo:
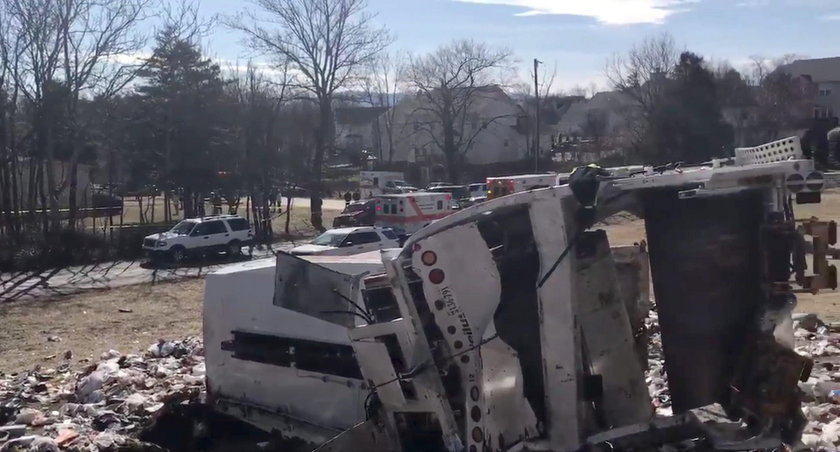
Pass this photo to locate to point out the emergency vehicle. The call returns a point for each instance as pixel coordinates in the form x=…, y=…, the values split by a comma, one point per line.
x=373, y=183
x=502, y=186
x=410, y=212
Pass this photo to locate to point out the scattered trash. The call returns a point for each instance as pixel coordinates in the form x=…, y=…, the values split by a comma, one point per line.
x=808, y=322
x=53, y=338
x=126, y=310
x=65, y=437
x=105, y=406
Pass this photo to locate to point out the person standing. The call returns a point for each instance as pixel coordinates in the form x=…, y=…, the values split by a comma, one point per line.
x=347, y=198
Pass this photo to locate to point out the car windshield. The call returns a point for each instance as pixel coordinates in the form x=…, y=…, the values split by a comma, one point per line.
x=354, y=208
x=400, y=183
x=330, y=238
x=184, y=227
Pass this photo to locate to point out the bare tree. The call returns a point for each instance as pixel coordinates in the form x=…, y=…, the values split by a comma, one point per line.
x=382, y=87
x=8, y=156
x=783, y=101
x=94, y=36
x=66, y=48
x=327, y=42
x=642, y=74
x=260, y=98
x=449, y=82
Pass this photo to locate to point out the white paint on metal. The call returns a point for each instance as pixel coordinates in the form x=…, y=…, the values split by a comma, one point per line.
x=553, y=230
x=776, y=151
x=242, y=300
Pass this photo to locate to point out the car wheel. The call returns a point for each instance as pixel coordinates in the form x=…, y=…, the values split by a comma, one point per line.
x=178, y=254
x=234, y=248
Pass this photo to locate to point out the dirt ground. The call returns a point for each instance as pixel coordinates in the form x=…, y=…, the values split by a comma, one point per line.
x=91, y=323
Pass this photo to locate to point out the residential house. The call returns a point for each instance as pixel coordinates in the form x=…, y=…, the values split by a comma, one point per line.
x=602, y=115
x=825, y=74
x=358, y=128
x=497, y=123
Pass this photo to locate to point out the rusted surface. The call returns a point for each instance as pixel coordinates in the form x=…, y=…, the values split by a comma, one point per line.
x=705, y=263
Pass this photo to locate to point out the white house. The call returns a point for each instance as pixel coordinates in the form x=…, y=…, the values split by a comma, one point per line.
x=499, y=127
x=825, y=74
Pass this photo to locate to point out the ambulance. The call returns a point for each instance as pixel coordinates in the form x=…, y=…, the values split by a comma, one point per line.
x=410, y=212
x=502, y=186
x=375, y=183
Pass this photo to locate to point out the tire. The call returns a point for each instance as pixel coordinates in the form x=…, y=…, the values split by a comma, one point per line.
x=177, y=254
x=234, y=248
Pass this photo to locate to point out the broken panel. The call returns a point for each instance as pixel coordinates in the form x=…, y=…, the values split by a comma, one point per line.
x=607, y=338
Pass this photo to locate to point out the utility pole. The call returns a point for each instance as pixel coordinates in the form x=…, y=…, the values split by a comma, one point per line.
x=537, y=137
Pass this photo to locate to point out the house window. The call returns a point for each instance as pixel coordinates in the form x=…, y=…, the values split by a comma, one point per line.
x=825, y=92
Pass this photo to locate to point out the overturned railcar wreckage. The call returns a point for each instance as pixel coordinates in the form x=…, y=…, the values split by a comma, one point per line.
x=506, y=326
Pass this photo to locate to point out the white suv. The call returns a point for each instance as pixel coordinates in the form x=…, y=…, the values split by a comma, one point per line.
x=347, y=241
x=198, y=236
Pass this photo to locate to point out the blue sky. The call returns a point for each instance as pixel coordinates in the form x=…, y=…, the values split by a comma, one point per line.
x=580, y=35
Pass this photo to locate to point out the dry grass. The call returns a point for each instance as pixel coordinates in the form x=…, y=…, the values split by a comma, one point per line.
x=300, y=224
x=91, y=323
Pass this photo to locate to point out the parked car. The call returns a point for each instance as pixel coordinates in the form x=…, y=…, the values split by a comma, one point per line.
x=395, y=187
x=200, y=236
x=438, y=184
x=357, y=213
x=347, y=241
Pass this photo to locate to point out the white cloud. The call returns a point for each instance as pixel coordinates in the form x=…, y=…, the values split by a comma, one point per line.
x=830, y=17
x=610, y=12
x=129, y=58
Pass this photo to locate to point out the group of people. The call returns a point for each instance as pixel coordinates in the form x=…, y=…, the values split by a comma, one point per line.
x=355, y=196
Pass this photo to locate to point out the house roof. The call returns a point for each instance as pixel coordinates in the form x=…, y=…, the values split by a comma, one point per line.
x=613, y=103
x=358, y=115
x=820, y=70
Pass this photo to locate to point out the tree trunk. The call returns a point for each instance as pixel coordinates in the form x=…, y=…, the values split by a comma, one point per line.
x=71, y=204
x=52, y=188
x=266, y=217
x=450, y=151
x=189, y=207
x=141, y=213
x=288, y=212
x=323, y=142
x=43, y=196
